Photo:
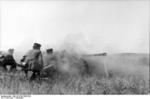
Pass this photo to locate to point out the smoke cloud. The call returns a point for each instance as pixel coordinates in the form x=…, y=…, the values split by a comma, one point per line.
x=74, y=29
x=106, y=26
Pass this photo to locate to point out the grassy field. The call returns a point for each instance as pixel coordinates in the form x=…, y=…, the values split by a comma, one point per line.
x=132, y=79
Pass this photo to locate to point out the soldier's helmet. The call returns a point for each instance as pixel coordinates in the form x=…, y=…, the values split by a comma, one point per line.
x=36, y=46
x=11, y=51
x=50, y=50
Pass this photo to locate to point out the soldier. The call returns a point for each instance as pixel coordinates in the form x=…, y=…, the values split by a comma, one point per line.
x=23, y=65
x=48, y=57
x=49, y=62
x=1, y=58
x=9, y=60
x=34, y=61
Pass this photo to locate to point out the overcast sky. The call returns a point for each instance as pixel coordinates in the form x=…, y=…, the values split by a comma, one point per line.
x=92, y=26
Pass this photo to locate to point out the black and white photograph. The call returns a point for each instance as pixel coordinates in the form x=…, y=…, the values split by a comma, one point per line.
x=74, y=47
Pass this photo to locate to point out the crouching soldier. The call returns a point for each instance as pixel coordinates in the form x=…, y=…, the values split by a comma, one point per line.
x=23, y=65
x=48, y=57
x=9, y=60
x=34, y=61
x=1, y=58
x=49, y=68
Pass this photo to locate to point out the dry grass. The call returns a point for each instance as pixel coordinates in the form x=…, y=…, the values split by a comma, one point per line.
x=15, y=83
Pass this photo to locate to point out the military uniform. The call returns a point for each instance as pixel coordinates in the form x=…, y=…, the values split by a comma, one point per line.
x=48, y=57
x=1, y=59
x=49, y=62
x=34, y=61
x=9, y=60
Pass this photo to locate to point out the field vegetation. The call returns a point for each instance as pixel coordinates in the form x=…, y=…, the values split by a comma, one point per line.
x=112, y=74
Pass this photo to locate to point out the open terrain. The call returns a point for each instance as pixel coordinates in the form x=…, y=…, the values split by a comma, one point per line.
x=126, y=73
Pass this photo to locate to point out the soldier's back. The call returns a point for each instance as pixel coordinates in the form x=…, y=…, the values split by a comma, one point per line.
x=34, y=59
x=32, y=54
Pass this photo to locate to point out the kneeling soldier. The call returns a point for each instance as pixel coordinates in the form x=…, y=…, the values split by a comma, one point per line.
x=9, y=60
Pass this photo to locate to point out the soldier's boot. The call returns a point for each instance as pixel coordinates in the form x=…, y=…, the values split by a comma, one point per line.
x=5, y=68
x=13, y=67
x=34, y=76
x=39, y=76
x=26, y=73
